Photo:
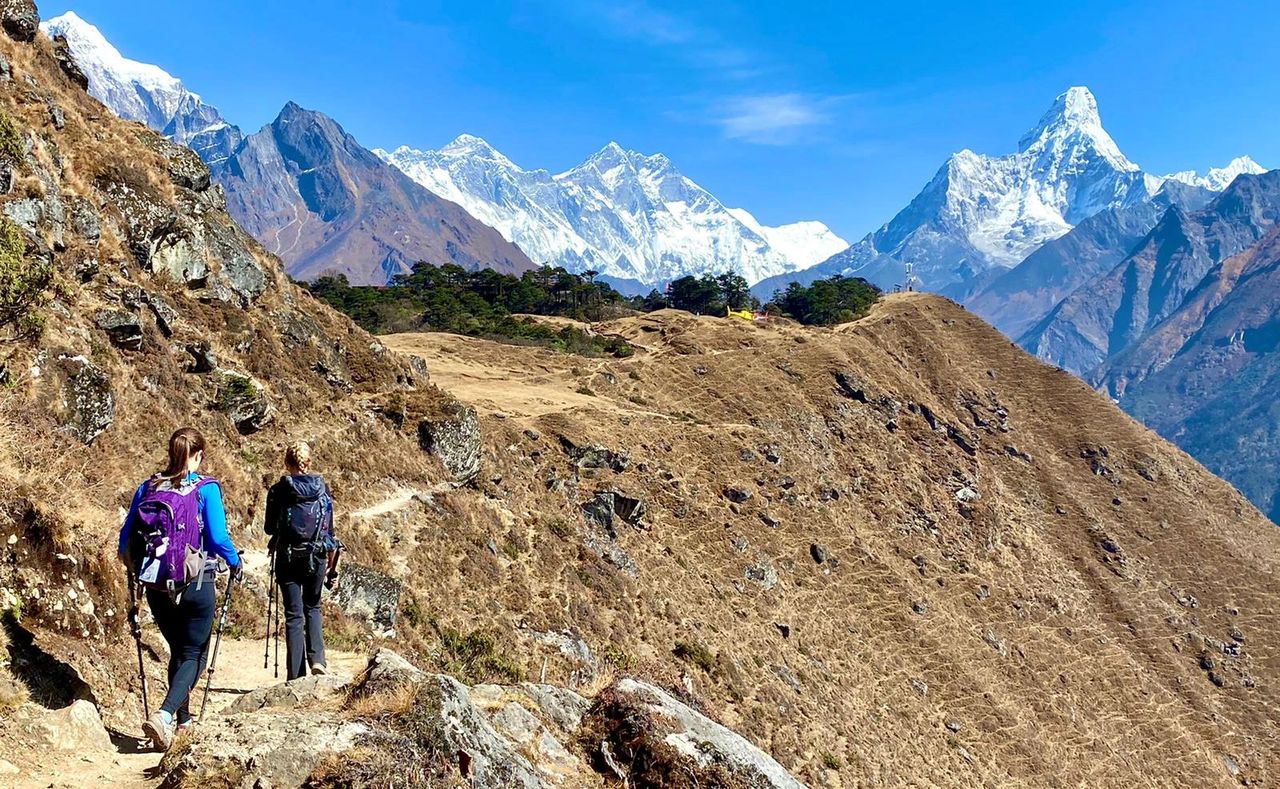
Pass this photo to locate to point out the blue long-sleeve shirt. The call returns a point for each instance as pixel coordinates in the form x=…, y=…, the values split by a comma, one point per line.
x=213, y=514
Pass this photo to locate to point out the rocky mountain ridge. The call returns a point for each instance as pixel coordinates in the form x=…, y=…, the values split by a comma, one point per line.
x=633, y=218
x=1109, y=313
x=325, y=205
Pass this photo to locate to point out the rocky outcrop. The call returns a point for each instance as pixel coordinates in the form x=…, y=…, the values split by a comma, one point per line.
x=20, y=19
x=123, y=328
x=486, y=736
x=87, y=405
x=300, y=692
x=264, y=748
x=368, y=595
x=610, y=505
x=453, y=437
x=62, y=53
x=77, y=727
x=648, y=733
x=184, y=166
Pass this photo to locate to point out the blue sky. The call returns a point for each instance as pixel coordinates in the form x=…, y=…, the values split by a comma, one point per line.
x=835, y=111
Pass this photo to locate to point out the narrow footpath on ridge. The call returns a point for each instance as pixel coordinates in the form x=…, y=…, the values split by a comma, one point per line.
x=132, y=765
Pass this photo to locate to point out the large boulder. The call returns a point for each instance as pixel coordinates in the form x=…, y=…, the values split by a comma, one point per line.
x=77, y=727
x=86, y=406
x=20, y=19
x=454, y=438
x=364, y=593
x=263, y=748
x=68, y=64
x=123, y=328
x=649, y=734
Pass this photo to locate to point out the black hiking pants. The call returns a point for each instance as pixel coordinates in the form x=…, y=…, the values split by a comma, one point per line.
x=304, y=639
x=186, y=624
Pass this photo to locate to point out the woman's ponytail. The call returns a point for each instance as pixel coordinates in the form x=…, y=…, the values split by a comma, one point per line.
x=183, y=445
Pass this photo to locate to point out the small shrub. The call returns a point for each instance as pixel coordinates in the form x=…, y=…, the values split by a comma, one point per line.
x=619, y=658
x=27, y=283
x=235, y=391
x=830, y=761
x=475, y=657
x=406, y=744
x=697, y=654
x=585, y=390
x=637, y=743
x=11, y=143
x=412, y=612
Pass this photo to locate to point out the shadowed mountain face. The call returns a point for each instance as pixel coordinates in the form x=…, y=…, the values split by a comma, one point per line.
x=1207, y=376
x=1108, y=314
x=1016, y=300
x=312, y=195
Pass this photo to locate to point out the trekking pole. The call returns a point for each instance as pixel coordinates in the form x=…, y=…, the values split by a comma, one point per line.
x=271, y=598
x=277, y=633
x=135, y=624
x=213, y=659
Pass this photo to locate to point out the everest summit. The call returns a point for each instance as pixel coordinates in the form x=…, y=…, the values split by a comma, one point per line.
x=636, y=219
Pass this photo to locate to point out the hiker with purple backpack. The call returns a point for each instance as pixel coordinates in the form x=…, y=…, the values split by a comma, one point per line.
x=172, y=541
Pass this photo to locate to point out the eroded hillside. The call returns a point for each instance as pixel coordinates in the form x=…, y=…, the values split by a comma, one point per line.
x=904, y=544
x=899, y=552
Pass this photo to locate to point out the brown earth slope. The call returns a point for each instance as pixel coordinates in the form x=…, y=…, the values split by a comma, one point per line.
x=1005, y=553
x=903, y=552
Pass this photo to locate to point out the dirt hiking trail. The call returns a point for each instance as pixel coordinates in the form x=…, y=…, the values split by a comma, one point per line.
x=132, y=765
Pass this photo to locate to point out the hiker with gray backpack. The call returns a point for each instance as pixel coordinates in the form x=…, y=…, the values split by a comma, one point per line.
x=173, y=541
x=304, y=553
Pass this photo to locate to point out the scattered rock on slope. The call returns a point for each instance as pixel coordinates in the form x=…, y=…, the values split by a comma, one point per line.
x=20, y=19
x=453, y=437
x=87, y=406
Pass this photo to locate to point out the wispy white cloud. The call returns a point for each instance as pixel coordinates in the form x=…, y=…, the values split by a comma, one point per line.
x=773, y=119
x=748, y=113
x=701, y=46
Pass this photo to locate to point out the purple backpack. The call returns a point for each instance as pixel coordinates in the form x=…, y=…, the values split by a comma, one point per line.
x=168, y=535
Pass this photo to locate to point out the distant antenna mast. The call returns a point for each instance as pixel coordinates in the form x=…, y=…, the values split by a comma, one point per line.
x=912, y=279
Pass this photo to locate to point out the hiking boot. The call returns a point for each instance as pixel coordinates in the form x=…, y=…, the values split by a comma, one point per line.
x=319, y=669
x=159, y=730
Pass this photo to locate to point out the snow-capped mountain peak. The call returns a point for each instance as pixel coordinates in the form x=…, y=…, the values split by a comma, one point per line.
x=1074, y=121
x=143, y=92
x=469, y=145
x=1219, y=178
x=92, y=49
x=630, y=216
